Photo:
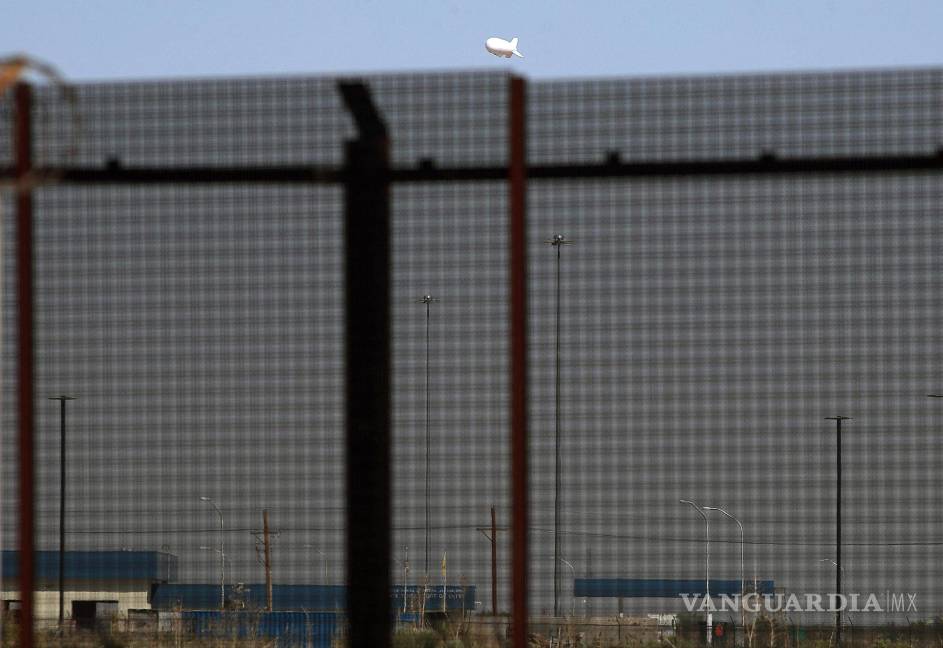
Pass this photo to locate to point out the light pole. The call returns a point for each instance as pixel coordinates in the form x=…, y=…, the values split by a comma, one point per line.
x=62, y=399
x=323, y=561
x=222, y=558
x=838, y=569
x=829, y=560
x=222, y=555
x=405, y=574
x=573, y=575
x=557, y=242
x=323, y=566
x=742, y=579
x=405, y=563
x=707, y=563
x=427, y=300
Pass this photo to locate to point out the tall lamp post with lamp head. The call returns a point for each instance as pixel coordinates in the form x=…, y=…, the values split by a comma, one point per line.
x=707, y=563
x=742, y=578
x=573, y=576
x=838, y=569
x=222, y=555
x=557, y=242
x=427, y=300
x=62, y=399
x=222, y=582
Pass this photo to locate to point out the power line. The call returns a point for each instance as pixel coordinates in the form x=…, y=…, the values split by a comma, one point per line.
x=474, y=528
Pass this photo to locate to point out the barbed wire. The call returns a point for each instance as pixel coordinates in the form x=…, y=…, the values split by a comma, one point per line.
x=12, y=70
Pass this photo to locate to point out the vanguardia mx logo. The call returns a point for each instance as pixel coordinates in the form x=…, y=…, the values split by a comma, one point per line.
x=888, y=602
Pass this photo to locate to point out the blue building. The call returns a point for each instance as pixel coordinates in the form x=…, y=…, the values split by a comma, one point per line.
x=206, y=596
x=660, y=587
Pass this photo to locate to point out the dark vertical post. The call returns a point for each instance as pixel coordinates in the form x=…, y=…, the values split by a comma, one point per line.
x=62, y=459
x=428, y=442
x=494, y=564
x=24, y=382
x=838, y=627
x=268, y=562
x=367, y=355
x=556, y=443
x=517, y=177
x=558, y=241
x=62, y=482
x=838, y=624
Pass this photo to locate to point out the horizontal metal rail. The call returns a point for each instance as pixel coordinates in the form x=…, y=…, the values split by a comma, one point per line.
x=428, y=172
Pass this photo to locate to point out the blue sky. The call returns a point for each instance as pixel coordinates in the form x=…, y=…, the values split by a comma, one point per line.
x=122, y=39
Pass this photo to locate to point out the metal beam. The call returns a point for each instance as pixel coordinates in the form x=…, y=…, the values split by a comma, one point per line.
x=763, y=165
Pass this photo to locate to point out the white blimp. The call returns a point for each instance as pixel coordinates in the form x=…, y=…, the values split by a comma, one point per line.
x=501, y=47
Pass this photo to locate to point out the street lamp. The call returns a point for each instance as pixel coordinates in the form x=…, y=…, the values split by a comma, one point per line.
x=557, y=242
x=405, y=563
x=838, y=569
x=222, y=555
x=323, y=566
x=222, y=558
x=427, y=300
x=323, y=562
x=829, y=560
x=62, y=399
x=573, y=575
x=715, y=508
x=707, y=563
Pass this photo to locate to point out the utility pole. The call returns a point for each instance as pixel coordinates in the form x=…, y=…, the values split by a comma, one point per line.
x=493, y=537
x=494, y=564
x=268, y=562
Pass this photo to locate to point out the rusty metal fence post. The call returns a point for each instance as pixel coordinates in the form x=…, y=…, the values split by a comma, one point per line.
x=24, y=378
x=517, y=179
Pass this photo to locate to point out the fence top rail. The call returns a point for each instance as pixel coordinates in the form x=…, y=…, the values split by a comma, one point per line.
x=426, y=171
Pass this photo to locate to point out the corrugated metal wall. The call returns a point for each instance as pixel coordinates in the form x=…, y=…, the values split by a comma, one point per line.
x=308, y=629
